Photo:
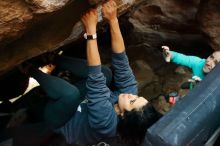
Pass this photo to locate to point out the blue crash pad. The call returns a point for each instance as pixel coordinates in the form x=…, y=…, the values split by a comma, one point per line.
x=192, y=120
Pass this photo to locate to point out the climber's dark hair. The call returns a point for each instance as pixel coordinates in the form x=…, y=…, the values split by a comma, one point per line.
x=133, y=124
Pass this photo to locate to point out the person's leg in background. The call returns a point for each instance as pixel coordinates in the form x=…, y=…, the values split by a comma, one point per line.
x=65, y=98
x=79, y=68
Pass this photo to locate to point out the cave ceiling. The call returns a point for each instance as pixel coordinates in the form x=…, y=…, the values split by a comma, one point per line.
x=32, y=27
x=29, y=28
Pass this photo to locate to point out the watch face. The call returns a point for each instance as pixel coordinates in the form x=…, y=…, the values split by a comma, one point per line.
x=90, y=37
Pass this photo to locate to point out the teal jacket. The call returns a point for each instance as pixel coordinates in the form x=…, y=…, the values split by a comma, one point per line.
x=193, y=62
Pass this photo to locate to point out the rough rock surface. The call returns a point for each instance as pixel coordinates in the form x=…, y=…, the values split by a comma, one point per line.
x=172, y=23
x=208, y=17
x=46, y=6
x=14, y=18
x=39, y=33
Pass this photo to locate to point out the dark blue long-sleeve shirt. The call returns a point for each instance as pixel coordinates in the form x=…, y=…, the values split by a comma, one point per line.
x=96, y=118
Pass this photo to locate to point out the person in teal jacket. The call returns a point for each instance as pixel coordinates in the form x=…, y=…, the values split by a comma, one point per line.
x=200, y=67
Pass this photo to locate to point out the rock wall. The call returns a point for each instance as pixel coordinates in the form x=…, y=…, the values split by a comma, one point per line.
x=46, y=6
x=209, y=22
x=33, y=27
x=17, y=15
x=25, y=33
x=14, y=18
x=172, y=23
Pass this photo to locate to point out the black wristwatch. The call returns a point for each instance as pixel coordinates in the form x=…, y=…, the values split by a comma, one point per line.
x=90, y=37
